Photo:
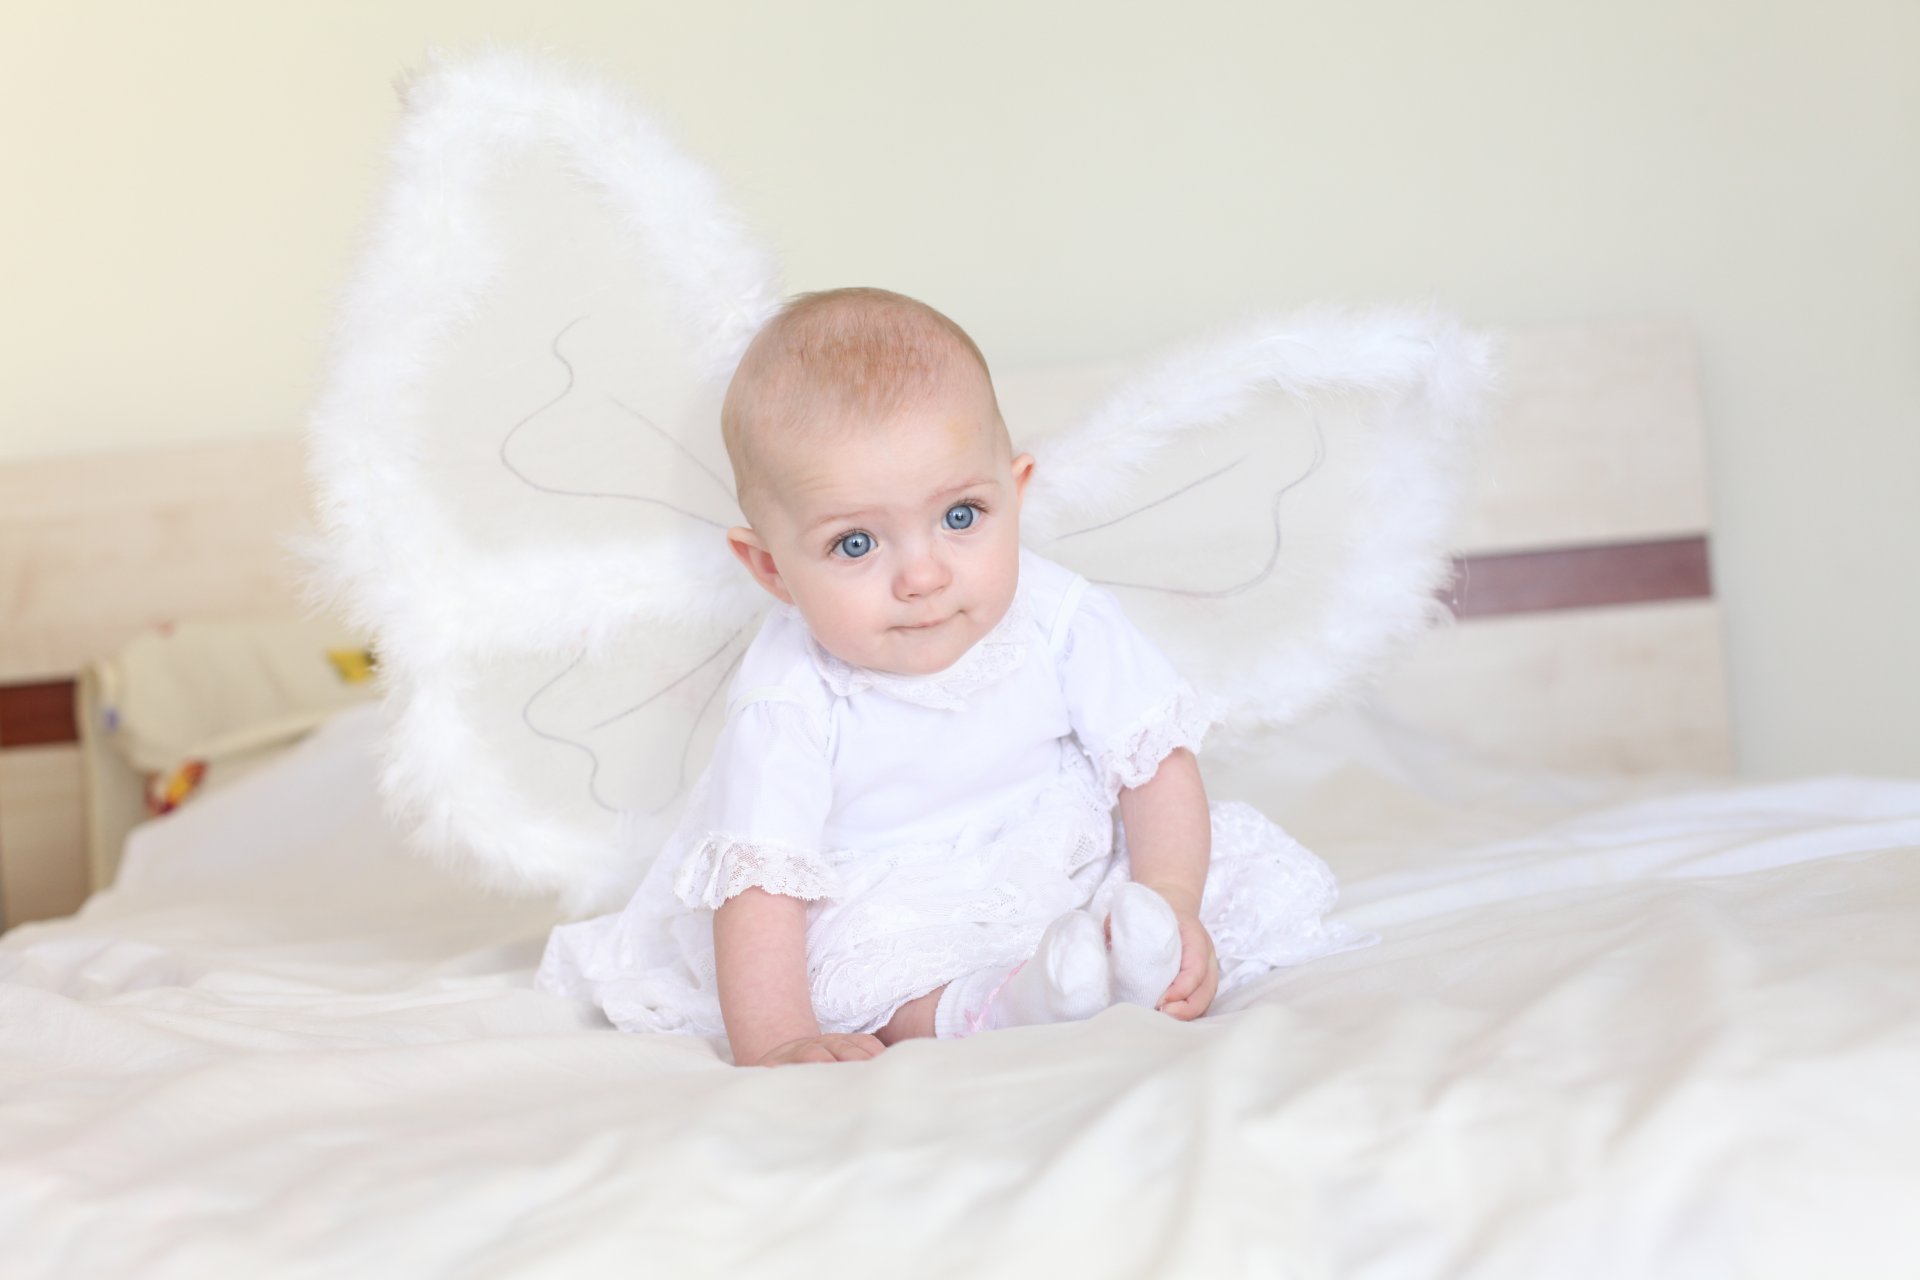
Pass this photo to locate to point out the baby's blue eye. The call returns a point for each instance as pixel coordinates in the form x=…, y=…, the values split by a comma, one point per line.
x=855, y=545
x=960, y=516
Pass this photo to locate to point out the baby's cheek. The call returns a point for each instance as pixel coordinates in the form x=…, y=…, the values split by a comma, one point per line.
x=870, y=637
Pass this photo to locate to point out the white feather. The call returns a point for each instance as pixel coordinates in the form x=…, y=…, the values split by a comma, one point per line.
x=390, y=558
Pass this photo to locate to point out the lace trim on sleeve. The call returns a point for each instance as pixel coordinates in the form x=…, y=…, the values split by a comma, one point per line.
x=723, y=865
x=1132, y=758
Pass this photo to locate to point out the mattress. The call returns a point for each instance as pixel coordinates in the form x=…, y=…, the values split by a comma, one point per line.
x=1669, y=1028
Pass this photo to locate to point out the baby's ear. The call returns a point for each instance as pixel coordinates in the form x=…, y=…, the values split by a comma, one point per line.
x=1022, y=472
x=753, y=553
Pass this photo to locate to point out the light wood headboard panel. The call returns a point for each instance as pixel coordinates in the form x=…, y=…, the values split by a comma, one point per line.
x=96, y=549
x=1589, y=637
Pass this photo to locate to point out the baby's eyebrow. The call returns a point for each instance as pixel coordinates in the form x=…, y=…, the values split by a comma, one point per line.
x=834, y=519
x=941, y=496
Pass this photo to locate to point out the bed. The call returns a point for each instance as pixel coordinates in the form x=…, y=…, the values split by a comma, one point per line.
x=1629, y=1015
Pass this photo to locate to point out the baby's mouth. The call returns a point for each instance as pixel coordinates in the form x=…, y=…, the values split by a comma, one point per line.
x=927, y=626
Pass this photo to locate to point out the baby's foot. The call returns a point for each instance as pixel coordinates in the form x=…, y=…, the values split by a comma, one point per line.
x=1065, y=980
x=1144, y=945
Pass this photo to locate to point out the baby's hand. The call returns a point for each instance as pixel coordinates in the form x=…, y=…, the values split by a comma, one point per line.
x=839, y=1047
x=1198, y=980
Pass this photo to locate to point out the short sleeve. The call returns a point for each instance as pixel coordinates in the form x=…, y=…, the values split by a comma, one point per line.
x=1129, y=707
x=763, y=806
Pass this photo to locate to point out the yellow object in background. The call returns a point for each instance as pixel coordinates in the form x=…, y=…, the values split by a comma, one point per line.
x=165, y=791
x=354, y=665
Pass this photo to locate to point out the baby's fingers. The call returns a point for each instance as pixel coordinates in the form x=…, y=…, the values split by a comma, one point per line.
x=1193, y=970
x=1192, y=1006
x=855, y=1048
x=1196, y=962
x=830, y=1048
x=789, y=1055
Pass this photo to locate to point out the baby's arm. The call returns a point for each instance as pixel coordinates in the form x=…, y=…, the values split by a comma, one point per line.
x=1170, y=844
x=760, y=960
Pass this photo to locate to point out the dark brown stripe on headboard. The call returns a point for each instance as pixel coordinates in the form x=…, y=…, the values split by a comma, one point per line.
x=36, y=715
x=1580, y=577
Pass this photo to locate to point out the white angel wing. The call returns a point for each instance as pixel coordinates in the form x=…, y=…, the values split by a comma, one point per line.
x=1273, y=506
x=520, y=478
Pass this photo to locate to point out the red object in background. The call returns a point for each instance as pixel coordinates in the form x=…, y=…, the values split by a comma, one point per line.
x=165, y=795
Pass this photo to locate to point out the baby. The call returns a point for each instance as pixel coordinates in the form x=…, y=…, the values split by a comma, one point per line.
x=907, y=828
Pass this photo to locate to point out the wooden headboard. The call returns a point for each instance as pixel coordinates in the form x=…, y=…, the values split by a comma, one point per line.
x=94, y=551
x=1587, y=635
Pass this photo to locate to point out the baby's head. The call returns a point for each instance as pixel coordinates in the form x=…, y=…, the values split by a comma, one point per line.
x=881, y=485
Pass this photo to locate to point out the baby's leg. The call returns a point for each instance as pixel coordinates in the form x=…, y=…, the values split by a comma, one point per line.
x=1066, y=979
x=912, y=1020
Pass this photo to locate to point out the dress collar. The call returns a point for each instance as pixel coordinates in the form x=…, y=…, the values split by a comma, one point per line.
x=991, y=657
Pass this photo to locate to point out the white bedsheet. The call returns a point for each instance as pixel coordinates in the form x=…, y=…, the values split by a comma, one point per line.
x=1663, y=1034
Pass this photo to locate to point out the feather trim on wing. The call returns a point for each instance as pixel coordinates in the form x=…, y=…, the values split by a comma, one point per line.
x=1314, y=605
x=444, y=609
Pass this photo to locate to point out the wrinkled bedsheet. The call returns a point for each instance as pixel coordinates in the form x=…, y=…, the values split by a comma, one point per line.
x=1610, y=1031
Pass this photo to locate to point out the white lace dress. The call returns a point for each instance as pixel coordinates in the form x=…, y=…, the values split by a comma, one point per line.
x=935, y=824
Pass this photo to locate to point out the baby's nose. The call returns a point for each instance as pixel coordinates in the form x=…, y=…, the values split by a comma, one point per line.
x=922, y=572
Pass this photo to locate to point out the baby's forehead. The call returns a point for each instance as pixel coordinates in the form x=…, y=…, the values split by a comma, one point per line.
x=905, y=461
x=955, y=431
x=817, y=415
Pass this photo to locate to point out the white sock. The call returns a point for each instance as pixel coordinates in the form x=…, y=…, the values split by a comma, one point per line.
x=1064, y=980
x=1143, y=945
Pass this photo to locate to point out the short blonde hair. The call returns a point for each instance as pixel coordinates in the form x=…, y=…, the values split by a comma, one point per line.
x=840, y=359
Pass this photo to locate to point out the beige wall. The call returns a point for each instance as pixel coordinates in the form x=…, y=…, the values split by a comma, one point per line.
x=182, y=184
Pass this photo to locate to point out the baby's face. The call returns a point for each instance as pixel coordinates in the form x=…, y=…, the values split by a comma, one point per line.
x=900, y=545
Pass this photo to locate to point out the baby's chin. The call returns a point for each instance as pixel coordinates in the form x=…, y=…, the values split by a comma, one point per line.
x=911, y=654
x=917, y=651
